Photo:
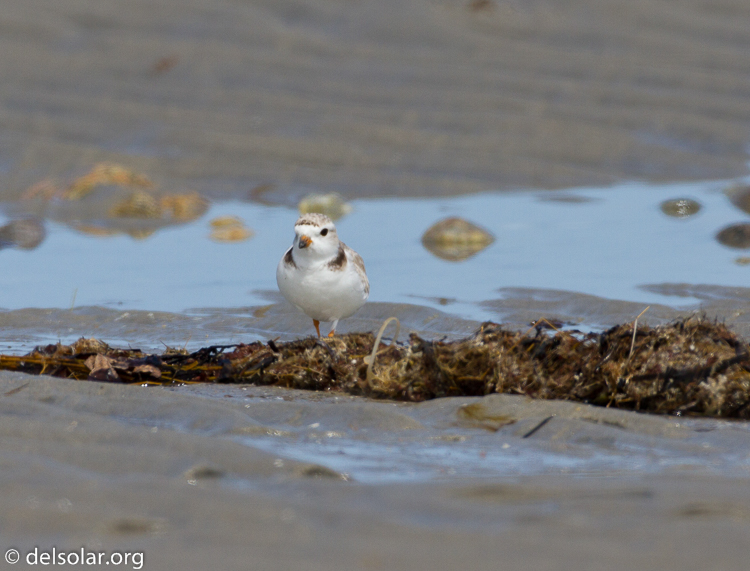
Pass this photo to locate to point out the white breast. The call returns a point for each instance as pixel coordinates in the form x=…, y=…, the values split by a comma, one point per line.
x=322, y=293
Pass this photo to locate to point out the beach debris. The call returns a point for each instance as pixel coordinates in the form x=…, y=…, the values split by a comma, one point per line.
x=564, y=197
x=103, y=174
x=203, y=472
x=693, y=366
x=164, y=64
x=735, y=236
x=24, y=233
x=139, y=233
x=45, y=189
x=95, y=230
x=229, y=229
x=739, y=195
x=680, y=207
x=258, y=193
x=183, y=207
x=118, y=201
x=476, y=415
x=144, y=205
x=456, y=239
x=331, y=204
x=480, y=5
x=139, y=204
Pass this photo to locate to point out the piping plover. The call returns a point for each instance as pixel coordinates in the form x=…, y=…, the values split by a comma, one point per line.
x=321, y=275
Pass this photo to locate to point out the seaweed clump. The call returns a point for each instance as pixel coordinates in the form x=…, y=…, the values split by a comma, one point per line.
x=693, y=366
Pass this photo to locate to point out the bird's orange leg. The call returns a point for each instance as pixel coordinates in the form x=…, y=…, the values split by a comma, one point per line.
x=316, y=323
x=333, y=328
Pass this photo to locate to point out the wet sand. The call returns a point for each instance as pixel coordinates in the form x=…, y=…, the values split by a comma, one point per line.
x=424, y=97
x=165, y=472
x=21, y=330
x=271, y=99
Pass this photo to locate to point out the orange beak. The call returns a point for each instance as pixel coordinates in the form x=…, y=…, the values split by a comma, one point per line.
x=304, y=241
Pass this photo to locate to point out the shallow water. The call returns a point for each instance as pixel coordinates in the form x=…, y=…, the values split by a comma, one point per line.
x=614, y=243
x=421, y=459
x=380, y=442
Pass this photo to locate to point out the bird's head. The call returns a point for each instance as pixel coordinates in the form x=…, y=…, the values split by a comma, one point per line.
x=315, y=238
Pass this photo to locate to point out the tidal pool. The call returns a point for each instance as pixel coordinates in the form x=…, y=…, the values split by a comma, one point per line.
x=604, y=242
x=616, y=243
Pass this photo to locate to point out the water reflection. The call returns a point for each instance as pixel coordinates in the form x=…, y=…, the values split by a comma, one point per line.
x=111, y=199
x=601, y=242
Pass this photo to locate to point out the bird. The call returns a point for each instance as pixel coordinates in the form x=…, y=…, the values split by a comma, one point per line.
x=320, y=275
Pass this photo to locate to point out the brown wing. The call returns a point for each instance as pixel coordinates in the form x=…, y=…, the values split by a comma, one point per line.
x=359, y=265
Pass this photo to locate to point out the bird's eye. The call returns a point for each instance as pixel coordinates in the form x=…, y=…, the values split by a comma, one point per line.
x=324, y=231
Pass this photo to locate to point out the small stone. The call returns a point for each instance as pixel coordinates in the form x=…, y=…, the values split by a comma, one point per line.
x=26, y=234
x=680, y=207
x=456, y=239
x=739, y=195
x=735, y=236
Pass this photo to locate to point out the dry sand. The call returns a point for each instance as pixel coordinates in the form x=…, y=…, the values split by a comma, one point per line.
x=401, y=98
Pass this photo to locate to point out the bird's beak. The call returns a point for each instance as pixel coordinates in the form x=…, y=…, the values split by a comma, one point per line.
x=304, y=241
